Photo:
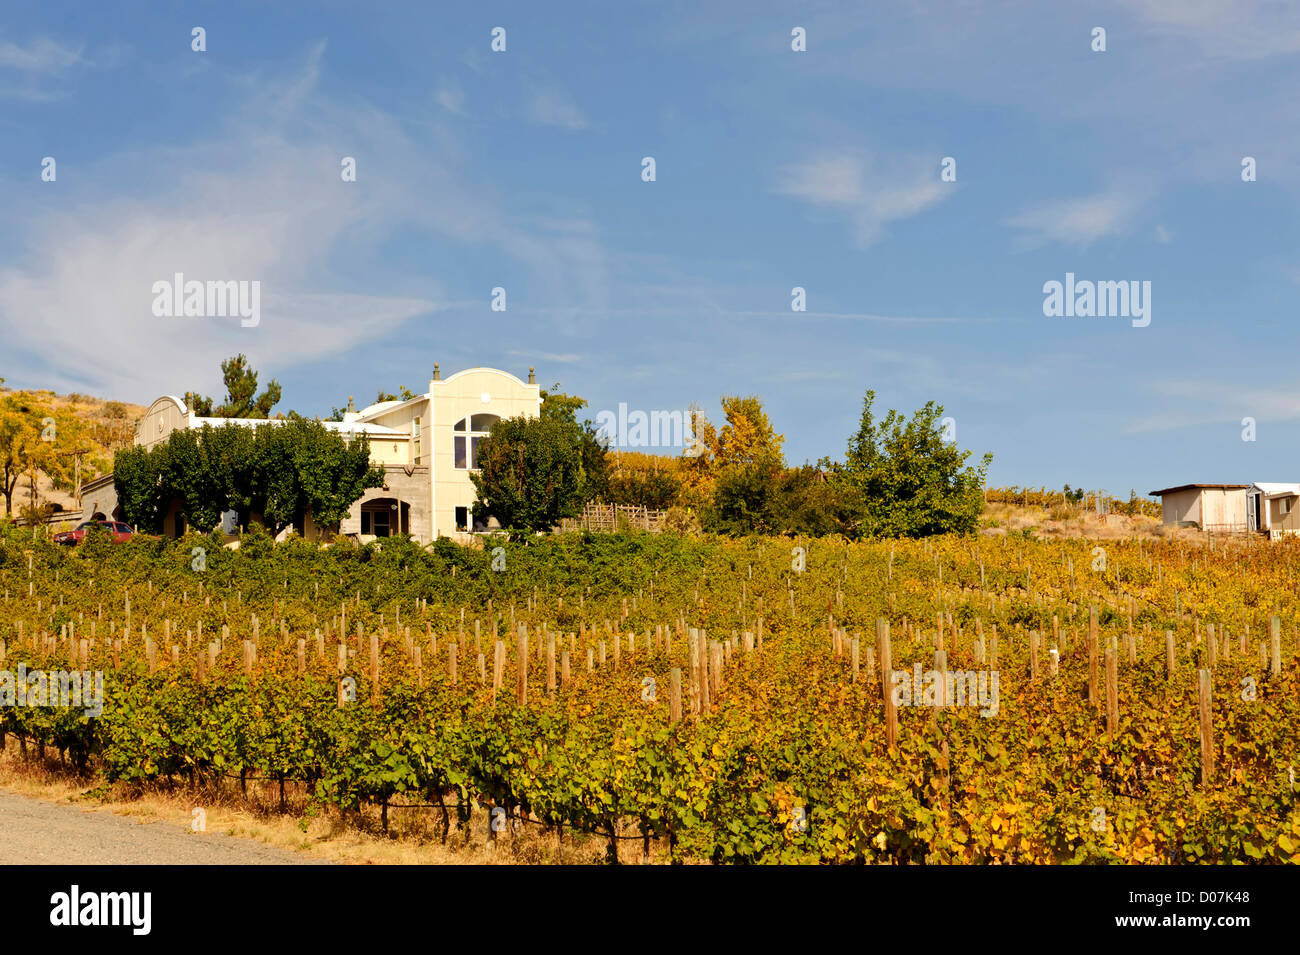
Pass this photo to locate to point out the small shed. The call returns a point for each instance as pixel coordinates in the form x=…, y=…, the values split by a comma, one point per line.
x=1212, y=507
x=1271, y=509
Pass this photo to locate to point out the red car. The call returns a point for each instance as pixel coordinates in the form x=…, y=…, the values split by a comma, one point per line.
x=121, y=532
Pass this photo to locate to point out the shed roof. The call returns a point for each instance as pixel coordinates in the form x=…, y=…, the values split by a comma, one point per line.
x=1278, y=490
x=1209, y=487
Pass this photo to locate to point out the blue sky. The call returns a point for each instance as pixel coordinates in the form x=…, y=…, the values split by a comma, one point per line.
x=775, y=169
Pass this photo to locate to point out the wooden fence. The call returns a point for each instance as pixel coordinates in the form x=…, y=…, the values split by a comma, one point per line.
x=608, y=518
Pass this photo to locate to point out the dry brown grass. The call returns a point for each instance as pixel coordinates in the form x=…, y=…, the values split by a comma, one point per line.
x=414, y=836
x=1061, y=522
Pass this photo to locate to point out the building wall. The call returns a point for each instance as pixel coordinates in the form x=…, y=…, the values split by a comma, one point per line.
x=1284, y=521
x=453, y=399
x=386, y=450
x=164, y=416
x=100, y=497
x=409, y=489
x=1182, y=505
x=1214, y=508
x=1223, y=509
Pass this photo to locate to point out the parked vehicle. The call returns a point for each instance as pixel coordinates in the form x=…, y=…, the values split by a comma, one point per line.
x=121, y=532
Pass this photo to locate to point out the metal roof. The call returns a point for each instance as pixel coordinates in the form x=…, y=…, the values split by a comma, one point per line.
x=1278, y=490
x=1188, y=487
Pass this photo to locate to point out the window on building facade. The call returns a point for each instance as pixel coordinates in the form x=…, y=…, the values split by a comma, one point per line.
x=468, y=432
x=462, y=518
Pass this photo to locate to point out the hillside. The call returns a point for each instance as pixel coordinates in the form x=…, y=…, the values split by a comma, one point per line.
x=99, y=426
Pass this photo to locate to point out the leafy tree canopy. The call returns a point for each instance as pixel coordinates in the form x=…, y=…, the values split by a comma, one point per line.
x=912, y=481
x=273, y=473
x=242, y=399
x=530, y=472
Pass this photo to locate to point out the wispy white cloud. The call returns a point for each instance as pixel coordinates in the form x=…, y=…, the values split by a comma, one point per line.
x=1226, y=29
x=869, y=192
x=263, y=200
x=35, y=72
x=1078, y=221
x=568, y=358
x=40, y=56
x=1200, y=402
x=450, y=97
x=553, y=107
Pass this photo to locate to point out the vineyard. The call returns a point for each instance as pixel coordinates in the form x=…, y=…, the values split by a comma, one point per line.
x=731, y=701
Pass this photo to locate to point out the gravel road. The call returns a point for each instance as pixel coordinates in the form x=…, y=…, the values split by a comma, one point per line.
x=33, y=831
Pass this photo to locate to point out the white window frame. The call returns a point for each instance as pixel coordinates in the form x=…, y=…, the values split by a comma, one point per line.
x=468, y=436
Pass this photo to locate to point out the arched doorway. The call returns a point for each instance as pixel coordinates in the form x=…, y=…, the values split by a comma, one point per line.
x=385, y=517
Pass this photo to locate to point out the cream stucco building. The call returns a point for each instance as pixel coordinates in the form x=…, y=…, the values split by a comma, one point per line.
x=425, y=444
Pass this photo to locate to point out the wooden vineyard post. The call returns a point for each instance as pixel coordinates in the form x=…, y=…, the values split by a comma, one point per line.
x=521, y=687
x=342, y=668
x=675, y=695
x=1033, y=656
x=202, y=664
x=1275, y=645
x=302, y=656
x=1169, y=655
x=941, y=667
x=374, y=669
x=1207, y=726
x=854, y=654
x=564, y=668
x=1092, y=656
x=702, y=649
x=1112, y=691
x=550, y=662
x=885, y=652
x=1211, y=645
x=694, y=659
x=498, y=668
x=248, y=657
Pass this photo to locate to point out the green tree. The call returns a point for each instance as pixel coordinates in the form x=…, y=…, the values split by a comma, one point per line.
x=911, y=481
x=595, y=462
x=741, y=501
x=406, y=395
x=242, y=399
x=745, y=462
x=813, y=499
x=37, y=440
x=20, y=433
x=530, y=472
x=272, y=474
